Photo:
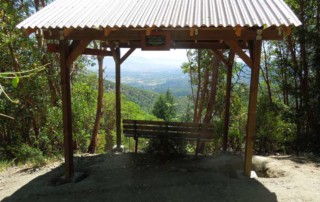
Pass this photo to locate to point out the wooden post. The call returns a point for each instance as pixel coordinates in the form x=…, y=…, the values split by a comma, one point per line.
x=66, y=108
x=255, y=52
x=227, y=101
x=118, y=97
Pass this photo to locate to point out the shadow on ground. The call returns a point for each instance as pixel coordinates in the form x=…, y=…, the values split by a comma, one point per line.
x=130, y=177
x=302, y=159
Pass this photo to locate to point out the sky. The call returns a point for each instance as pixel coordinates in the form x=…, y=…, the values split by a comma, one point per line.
x=149, y=61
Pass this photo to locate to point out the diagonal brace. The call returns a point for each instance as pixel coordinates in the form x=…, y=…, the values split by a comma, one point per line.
x=77, y=51
x=238, y=50
x=128, y=53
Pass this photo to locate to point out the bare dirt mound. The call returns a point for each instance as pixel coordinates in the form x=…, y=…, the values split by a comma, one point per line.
x=129, y=177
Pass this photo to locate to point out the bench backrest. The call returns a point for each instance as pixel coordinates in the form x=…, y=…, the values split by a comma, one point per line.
x=151, y=129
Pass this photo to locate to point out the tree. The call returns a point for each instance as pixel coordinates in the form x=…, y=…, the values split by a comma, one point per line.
x=164, y=107
x=94, y=136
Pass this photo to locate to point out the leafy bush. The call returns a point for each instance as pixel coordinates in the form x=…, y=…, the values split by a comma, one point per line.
x=26, y=154
x=274, y=133
x=167, y=147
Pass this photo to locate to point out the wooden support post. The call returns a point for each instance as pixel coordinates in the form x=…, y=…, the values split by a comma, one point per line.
x=252, y=109
x=66, y=108
x=227, y=101
x=118, y=96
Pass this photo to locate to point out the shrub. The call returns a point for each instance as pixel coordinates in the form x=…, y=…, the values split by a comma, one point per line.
x=274, y=133
x=167, y=147
x=26, y=154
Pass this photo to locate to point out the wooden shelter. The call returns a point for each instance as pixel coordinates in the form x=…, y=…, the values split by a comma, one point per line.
x=218, y=25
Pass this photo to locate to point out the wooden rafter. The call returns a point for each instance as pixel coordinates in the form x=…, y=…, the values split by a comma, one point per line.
x=176, y=34
x=238, y=50
x=54, y=48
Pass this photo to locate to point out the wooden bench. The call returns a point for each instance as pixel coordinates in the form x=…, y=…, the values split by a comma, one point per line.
x=153, y=129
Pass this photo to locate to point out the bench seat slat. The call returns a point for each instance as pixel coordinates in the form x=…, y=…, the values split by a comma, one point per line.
x=162, y=123
x=164, y=129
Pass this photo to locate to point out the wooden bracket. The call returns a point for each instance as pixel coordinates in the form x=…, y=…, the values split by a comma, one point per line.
x=128, y=53
x=28, y=32
x=78, y=50
x=238, y=50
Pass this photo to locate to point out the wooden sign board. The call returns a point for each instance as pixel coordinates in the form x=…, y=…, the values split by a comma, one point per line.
x=156, y=41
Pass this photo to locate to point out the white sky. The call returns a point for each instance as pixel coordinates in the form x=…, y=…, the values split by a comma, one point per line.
x=150, y=61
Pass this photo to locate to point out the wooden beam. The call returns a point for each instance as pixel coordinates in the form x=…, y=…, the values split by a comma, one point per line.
x=128, y=53
x=185, y=45
x=66, y=109
x=252, y=109
x=175, y=34
x=228, y=100
x=237, y=49
x=28, y=32
x=54, y=48
x=77, y=51
x=67, y=32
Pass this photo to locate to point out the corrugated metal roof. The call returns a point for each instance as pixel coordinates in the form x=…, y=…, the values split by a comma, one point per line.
x=161, y=13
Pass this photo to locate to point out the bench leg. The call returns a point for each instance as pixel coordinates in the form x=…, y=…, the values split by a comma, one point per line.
x=136, y=146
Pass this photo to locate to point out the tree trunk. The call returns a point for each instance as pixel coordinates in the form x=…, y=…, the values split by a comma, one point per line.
x=204, y=91
x=211, y=98
x=213, y=91
x=94, y=136
x=265, y=73
x=196, y=115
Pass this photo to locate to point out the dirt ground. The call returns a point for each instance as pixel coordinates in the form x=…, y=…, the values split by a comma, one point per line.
x=130, y=177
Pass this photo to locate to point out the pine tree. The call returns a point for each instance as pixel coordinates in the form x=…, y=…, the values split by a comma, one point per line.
x=164, y=107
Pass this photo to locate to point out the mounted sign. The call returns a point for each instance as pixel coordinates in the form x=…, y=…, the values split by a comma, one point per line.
x=156, y=41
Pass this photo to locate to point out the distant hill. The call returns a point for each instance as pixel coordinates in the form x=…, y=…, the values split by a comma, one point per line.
x=159, y=82
x=141, y=97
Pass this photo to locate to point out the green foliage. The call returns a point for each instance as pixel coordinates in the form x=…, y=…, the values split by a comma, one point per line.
x=274, y=133
x=143, y=98
x=166, y=147
x=165, y=107
x=26, y=154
